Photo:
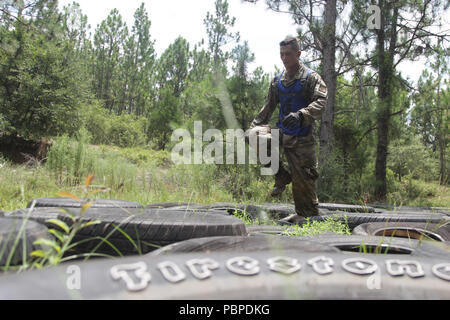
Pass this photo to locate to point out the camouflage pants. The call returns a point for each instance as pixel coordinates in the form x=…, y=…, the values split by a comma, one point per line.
x=302, y=171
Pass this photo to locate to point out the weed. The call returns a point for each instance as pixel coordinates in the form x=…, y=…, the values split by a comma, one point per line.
x=312, y=228
x=63, y=235
x=244, y=216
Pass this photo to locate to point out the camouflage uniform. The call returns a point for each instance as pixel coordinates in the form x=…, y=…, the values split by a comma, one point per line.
x=299, y=151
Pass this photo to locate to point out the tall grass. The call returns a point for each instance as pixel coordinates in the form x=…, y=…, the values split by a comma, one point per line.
x=148, y=176
x=69, y=161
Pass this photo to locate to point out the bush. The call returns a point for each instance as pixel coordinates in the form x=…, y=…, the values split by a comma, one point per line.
x=123, y=131
x=163, y=119
x=98, y=122
x=141, y=156
x=127, y=131
x=412, y=191
x=414, y=159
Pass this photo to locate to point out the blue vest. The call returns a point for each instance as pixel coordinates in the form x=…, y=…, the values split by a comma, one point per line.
x=292, y=100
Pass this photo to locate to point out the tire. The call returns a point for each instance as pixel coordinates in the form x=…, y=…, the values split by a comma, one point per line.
x=19, y=245
x=260, y=275
x=265, y=229
x=355, y=219
x=193, y=208
x=162, y=205
x=383, y=245
x=231, y=208
x=400, y=209
x=257, y=242
x=274, y=211
x=71, y=203
x=345, y=207
x=148, y=228
x=438, y=232
x=288, y=209
x=266, y=211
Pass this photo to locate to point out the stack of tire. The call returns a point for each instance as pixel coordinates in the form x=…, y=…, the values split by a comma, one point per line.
x=194, y=251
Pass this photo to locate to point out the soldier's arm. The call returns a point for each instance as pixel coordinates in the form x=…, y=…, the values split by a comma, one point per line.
x=270, y=104
x=318, y=92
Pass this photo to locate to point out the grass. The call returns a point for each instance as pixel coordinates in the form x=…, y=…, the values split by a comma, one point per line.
x=310, y=228
x=250, y=221
x=313, y=228
x=419, y=193
x=147, y=176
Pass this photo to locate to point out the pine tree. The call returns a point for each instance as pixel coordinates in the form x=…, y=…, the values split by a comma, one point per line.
x=108, y=48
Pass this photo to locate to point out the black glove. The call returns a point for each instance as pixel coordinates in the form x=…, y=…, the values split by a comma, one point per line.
x=293, y=119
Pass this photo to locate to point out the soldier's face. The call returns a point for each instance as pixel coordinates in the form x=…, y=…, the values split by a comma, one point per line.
x=289, y=56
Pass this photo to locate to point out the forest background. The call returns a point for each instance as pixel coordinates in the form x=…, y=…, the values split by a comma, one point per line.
x=108, y=103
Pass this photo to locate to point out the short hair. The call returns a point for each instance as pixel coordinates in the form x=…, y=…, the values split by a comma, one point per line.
x=292, y=42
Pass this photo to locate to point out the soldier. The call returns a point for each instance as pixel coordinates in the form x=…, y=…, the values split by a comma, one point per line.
x=302, y=95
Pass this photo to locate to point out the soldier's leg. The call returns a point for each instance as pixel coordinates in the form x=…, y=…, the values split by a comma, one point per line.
x=283, y=176
x=303, y=165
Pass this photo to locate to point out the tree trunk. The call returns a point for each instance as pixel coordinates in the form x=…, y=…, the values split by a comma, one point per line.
x=440, y=134
x=382, y=148
x=385, y=73
x=329, y=76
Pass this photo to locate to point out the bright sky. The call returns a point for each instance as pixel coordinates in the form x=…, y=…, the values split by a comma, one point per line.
x=262, y=28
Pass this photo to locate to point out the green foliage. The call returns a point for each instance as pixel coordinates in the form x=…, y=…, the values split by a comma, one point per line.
x=343, y=174
x=115, y=92
x=108, y=42
x=173, y=66
x=70, y=161
x=142, y=157
x=18, y=185
x=136, y=76
x=218, y=35
x=247, y=91
x=201, y=104
x=429, y=117
x=313, y=228
x=41, y=87
x=409, y=157
x=164, y=118
x=331, y=169
x=127, y=131
x=418, y=193
x=244, y=216
x=105, y=128
x=58, y=248
x=97, y=121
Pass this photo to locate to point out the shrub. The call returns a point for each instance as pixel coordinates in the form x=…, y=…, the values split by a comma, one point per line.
x=127, y=131
x=98, y=122
x=414, y=159
x=141, y=156
x=124, y=130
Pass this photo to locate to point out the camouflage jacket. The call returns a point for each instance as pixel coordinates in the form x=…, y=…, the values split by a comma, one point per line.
x=315, y=93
